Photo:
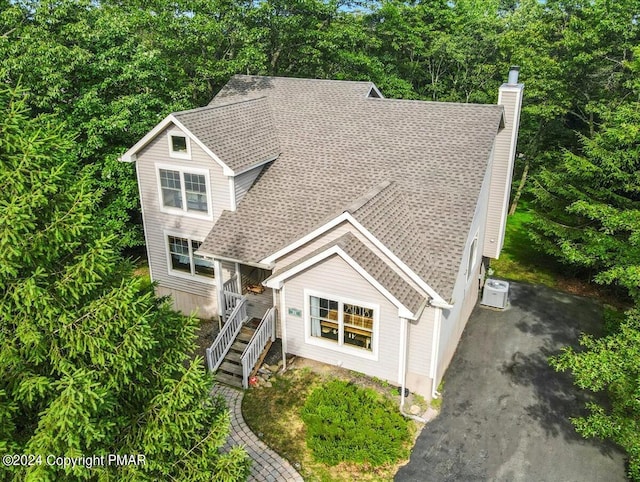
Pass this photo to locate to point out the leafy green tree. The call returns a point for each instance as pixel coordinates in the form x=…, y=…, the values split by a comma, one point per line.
x=610, y=364
x=91, y=363
x=588, y=216
x=112, y=70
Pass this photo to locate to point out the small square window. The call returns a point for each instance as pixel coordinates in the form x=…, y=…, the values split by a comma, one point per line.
x=179, y=144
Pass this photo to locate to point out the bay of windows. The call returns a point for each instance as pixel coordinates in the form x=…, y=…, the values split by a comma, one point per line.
x=343, y=323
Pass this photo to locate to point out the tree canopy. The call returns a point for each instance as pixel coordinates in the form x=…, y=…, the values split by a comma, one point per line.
x=91, y=363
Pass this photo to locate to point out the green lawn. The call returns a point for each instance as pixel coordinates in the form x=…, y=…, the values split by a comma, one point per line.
x=518, y=260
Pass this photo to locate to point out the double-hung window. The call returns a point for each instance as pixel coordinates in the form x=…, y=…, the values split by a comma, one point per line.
x=184, y=191
x=183, y=260
x=346, y=324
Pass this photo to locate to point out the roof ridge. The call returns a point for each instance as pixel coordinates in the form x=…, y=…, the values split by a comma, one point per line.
x=368, y=196
x=218, y=106
x=432, y=102
x=305, y=79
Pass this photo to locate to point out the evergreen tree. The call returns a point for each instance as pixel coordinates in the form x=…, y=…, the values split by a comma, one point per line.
x=91, y=363
x=588, y=208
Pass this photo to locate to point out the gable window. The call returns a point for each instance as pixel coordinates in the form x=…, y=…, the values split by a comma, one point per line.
x=184, y=260
x=345, y=324
x=184, y=191
x=473, y=255
x=179, y=145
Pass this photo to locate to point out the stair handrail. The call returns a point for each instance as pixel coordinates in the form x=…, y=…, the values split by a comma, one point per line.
x=266, y=329
x=221, y=345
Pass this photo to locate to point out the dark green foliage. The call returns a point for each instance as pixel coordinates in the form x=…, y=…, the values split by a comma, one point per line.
x=91, y=363
x=347, y=423
x=610, y=364
x=588, y=208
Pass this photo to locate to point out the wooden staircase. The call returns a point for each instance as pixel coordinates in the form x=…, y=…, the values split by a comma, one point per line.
x=230, y=370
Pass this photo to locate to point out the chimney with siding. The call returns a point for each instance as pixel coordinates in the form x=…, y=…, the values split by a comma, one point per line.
x=510, y=97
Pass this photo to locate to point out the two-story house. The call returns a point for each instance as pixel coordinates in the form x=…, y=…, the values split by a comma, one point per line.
x=366, y=222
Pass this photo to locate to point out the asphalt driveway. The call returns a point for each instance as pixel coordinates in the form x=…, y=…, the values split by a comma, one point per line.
x=505, y=413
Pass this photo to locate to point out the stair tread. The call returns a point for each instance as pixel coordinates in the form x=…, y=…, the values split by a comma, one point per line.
x=239, y=346
x=233, y=356
x=231, y=368
x=229, y=380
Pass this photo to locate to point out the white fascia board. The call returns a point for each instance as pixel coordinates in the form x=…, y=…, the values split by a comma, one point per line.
x=130, y=155
x=408, y=271
x=258, y=164
x=364, y=231
x=212, y=256
x=277, y=282
x=305, y=239
x=376, y=90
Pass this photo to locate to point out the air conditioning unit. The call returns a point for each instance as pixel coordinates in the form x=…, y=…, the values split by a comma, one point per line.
x=495, y=294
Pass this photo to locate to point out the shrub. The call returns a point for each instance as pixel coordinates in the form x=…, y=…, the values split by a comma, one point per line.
x=348, y=423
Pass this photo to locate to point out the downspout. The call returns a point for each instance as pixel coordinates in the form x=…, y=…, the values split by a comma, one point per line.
x=283, y=329
x=437, y=322
x=404, y=329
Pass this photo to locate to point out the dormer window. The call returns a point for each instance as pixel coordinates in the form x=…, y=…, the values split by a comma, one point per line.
x=179, y=145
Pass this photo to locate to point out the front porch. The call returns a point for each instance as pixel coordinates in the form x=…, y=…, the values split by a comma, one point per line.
x=248, y=325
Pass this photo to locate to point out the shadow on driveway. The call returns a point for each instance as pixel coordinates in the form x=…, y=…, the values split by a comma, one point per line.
x=505, y=413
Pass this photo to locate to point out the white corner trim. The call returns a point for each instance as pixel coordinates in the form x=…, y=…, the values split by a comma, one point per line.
x=278, y=281
x=232, y=193
x=402, y=353
x=345, y=216
x=144, y=222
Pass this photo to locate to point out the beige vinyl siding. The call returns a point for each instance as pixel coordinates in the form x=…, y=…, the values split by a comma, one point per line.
x=335, y=233
x=244, y=181
x=334, y=276
x=419, y=355
x=465, y=291
x=157, y=222
x=501, y=171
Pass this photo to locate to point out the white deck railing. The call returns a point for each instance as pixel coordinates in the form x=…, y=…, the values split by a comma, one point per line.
x=220, y=346
x=231, y=285
x=230, y=301
x=266, y=329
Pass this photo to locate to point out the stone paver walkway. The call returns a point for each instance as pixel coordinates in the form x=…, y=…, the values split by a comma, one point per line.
x=267, y=465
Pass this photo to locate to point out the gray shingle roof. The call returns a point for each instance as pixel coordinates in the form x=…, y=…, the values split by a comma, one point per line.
x=336, y=146
x=374, y=266
x=241, y=134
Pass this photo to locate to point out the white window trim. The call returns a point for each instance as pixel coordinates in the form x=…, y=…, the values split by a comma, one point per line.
x=175, y=154
x=340, y=347
x=183, y=211
x=472, y=257
x=180, y=274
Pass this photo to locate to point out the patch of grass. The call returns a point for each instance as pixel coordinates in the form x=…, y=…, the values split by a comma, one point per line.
x=518, y=260
x=275, y=414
